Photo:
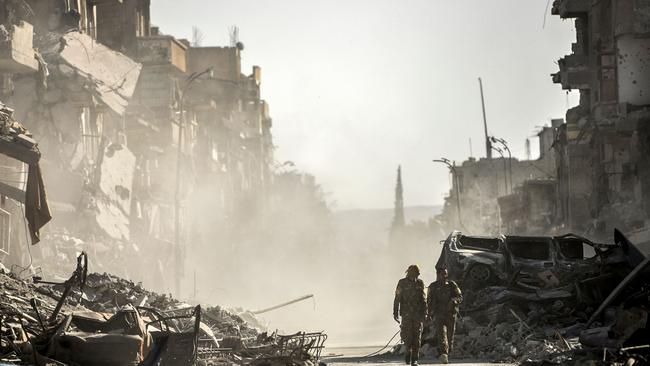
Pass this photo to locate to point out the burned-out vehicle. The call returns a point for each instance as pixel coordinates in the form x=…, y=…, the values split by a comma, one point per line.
x=530, y=261
x=551, y=291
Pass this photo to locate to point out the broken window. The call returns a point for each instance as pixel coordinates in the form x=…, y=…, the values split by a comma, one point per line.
x=5, y=231
x=142, y=18
x=576, y=249
x=91, y=125
x=478, y=243
x=88, y=18
x=530, y=248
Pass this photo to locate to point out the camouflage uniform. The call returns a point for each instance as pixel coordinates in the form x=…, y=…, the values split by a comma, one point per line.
x=443, y=300
x=410, y=303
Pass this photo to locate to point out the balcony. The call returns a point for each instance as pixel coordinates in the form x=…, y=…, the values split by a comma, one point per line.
x=574, y=73
x=570, y=8
x=17, y=52
x=162, y=50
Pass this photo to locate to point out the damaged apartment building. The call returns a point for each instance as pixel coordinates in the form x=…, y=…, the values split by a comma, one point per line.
x=603, y=170
x=479, y=184
x=137, y=132
x=596, y=178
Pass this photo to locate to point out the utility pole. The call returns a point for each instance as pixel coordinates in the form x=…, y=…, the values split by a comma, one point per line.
x=505, y=171
x=178, y=252
x=488, y=144
x=504, y=143
x=471, y=154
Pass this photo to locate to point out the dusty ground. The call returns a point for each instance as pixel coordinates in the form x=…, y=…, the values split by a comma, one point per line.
x=353, y=356
x=424, y=362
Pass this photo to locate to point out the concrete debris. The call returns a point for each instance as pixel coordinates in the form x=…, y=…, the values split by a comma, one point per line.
x=110, y=75
x=16, y=49
x=100, y=319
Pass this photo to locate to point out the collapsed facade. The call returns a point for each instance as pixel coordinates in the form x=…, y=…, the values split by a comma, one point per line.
x=99, y=319
x=549, y=297
x=138, y=131
x=604, y=181
x=478, y=186
x=596, y=175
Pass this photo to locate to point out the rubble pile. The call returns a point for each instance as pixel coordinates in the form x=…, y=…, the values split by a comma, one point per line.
x=108, y=293
x=502, y=327
x=100, y=319
x=570, y=308
x=120, y=258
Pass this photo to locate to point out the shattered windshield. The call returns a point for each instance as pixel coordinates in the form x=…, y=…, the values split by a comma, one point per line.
x=575, y=249
x=530, y=248
x=478, y=243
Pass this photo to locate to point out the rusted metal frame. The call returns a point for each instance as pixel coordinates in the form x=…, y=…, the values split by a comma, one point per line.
x=159, y=317
x=78, y=277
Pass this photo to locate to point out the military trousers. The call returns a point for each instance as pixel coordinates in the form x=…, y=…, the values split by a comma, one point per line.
x=411, y=333
x=445, y=329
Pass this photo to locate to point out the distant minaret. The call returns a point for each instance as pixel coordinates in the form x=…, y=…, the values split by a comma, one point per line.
x=398, y=214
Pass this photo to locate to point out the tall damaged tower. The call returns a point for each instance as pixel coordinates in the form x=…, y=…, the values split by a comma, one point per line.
x=398, y=211
x=604, y=181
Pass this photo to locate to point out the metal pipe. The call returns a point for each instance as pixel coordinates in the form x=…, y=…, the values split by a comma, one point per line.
x=283, y=304
x=488, y=144
x=505, y=170
x=509, y=165
x=177, y=195
x=505, y=146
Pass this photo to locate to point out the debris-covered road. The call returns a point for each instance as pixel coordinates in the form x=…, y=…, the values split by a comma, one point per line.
x=563, y=300
x=99, y=319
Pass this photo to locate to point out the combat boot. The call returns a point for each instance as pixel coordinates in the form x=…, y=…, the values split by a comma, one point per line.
x=407, y=356
x=414, y=360
x=444, y=358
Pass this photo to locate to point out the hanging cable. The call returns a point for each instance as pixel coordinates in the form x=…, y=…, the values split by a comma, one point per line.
x=383, y=348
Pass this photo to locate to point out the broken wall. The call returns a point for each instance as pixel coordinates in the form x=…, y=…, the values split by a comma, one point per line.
x=225, y=61
x=120, y=23
x=602, y=184
x=482, y=182
x=76, y=113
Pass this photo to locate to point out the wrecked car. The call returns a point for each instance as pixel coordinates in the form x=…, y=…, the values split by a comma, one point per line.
x=531, y=262
x=591, y=304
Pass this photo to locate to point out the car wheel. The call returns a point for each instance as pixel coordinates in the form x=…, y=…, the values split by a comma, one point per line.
x=479, y=274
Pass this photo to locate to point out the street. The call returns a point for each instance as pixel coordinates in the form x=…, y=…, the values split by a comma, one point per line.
x=423, y=362
x=348, y=356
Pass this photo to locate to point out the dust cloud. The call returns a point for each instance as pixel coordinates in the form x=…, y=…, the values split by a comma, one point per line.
x=300, y=247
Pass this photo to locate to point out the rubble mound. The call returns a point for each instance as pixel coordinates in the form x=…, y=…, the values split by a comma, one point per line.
x=93, y=317
x=579, y=308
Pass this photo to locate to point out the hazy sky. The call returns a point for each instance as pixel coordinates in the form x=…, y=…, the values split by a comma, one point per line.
x=357, y=87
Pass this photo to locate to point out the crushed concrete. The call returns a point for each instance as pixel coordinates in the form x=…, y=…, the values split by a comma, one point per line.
x=101, y=314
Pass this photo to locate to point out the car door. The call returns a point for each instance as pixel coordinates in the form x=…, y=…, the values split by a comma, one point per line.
x=576, y=256
x=529, y=257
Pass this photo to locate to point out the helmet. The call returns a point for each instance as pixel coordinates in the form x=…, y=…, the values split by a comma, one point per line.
x=413, y=268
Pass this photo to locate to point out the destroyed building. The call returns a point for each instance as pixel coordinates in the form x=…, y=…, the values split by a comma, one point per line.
x=550, y=297
x=100, y=319
x=603, y=177
x=138, y=131
x=596, y=178
x=477, y=185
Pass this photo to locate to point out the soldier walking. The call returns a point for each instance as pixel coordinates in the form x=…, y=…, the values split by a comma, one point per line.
x=443, y=299
x=410, y=304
